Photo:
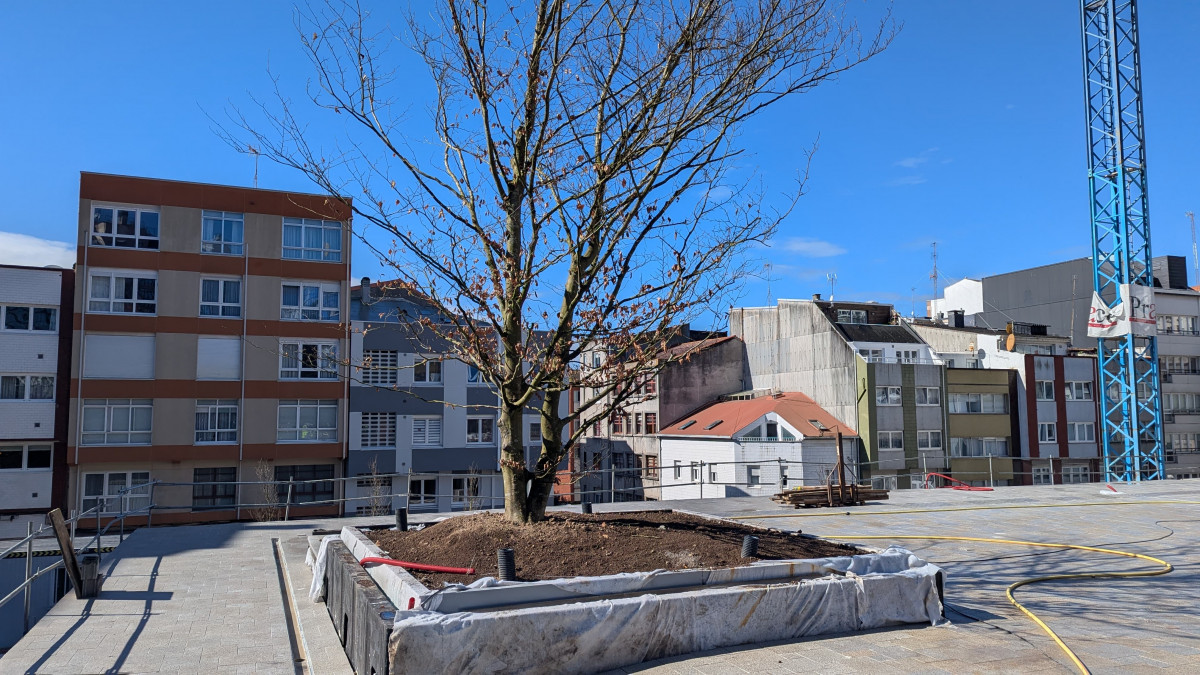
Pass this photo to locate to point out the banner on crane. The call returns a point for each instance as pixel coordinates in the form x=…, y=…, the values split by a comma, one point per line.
x=1133, y=313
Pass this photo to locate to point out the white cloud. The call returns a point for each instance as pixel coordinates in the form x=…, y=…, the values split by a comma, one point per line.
x=811, y=248
x=906, y=180
x=912, y=162
x=22, y=249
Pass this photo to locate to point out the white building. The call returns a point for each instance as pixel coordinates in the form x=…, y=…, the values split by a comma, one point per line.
x=751, y=447
x=30, y=302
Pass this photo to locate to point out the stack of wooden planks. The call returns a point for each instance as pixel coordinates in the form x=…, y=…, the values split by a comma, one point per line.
x=829, y=495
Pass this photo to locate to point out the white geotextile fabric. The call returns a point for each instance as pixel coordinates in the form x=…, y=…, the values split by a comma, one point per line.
x=316, y=591
x=892, y=587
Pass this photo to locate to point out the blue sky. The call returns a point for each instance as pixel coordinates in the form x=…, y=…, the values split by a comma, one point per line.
x=968, y=131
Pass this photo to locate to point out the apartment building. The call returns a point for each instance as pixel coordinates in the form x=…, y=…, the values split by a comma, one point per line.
x=417, y=410
x=628, y=445
x=1058, y=296
x=34, y=356
x=1053, y=402
x=853, y=361
x=208, y=329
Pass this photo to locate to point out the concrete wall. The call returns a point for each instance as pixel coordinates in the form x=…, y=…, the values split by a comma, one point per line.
x=1049, y=295
x=733, y=459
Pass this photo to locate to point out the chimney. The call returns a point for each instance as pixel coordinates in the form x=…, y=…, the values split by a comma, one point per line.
x=956, y=318
x=365, y=282
x=816, y=297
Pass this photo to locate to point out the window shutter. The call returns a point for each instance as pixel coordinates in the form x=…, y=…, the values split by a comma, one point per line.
x=125, y=357
x=218, y=359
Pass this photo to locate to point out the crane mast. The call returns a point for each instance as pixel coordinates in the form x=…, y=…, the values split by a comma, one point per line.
x=1130, y=402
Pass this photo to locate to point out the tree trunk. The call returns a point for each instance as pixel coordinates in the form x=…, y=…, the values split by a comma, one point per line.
x=513, y=466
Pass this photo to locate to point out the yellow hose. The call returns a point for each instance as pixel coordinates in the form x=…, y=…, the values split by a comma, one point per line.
x=1166, y=567
x=1094, y=575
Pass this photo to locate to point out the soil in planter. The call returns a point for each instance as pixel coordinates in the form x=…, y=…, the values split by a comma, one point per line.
x=571, y=544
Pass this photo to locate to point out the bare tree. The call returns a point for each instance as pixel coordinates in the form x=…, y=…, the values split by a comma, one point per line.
x=268, y=508
x=378, y=490
x=582, y=194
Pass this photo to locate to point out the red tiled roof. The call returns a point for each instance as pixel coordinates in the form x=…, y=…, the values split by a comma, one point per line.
x=795, y=408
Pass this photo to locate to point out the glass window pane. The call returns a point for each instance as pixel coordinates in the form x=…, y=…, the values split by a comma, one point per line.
x=38, y=457
x=210, y=290
x=291, y=295
x=312, y=296
x=93, y=484
x=12, y=387
x=16, y=318
x=233, y=292
x=308, y=417
x=145, y=289
x=41, y=388
x=328, y=417
x=100, y=286
x=45, y=318
x=149, y=224
x=293, y=235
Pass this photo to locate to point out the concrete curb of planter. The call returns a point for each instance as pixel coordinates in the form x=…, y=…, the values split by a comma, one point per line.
x=549, y=626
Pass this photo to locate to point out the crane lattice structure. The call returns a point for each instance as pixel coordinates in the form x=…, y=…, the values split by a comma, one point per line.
x=1130, y=402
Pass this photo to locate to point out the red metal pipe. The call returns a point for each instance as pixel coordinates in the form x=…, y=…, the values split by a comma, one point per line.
x=417, y=566
x=961, y=485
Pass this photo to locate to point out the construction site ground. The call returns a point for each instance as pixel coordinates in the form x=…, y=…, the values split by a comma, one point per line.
x=213, y=598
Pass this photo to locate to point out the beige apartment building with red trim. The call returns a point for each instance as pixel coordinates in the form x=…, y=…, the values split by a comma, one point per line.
x=209, y=322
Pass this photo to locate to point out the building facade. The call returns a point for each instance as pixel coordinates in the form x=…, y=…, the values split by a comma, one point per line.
x=859, y=365
x=417, y=410
x=34, y=367
x=208, y=333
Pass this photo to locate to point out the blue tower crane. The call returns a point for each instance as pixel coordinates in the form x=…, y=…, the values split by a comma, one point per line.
x=1122, y=315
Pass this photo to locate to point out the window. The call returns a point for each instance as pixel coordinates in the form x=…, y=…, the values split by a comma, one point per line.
x=1184, y=365
x=473, y=375
x=481, y=430
x=1081, y=432
x=979, y=403
x=1078, y=391
x=651, y=423
x=19, y=318
x=304, y=492
x=1047, y=432
x=134, y=228
x=535, y=432
x=216, y=421
x=26, y=387
x=217, y=358
x=1175, y=323
x=754, y=474
x=650, y=385
x=117, y=421
x=1076, y=474
x=978, y=447
x=308, y=361
x=462, y=489
x=929, y=396
x=891, y=440
x=871, y=355
x=105, y=489
x=712, y=475
x=24, y=457
x=695, y=472
x=126, y=357
x=678, y=470
x=887, y=395
x=427, y=431
x=222, y=232
x=638, y=427
x=906, y=356
x=307, y=420
x=422, y=491
x=1043, y=475
x=929, y=440
x=1180, y=403
x=379, y=430
x=119, y=293
x=312, y=239
x=1182, y=442
x=651, y=466
x=380, y=367
x=428, y=372
x=1045, y=390
x=310, y=301
x=221, y=297
x=214, y=487
x=618, y=424
x=852, y=316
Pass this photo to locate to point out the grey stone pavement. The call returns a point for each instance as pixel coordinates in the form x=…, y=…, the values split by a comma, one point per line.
x=211, y=598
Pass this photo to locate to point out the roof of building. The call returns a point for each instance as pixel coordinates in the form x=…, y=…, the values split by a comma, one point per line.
x=873, y=332
x=724, y=419
x=695, y=346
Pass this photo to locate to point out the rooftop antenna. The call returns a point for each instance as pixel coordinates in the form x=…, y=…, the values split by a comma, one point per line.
x=254, y=151
x=934, y=275
x=1195, y=258
x=767, y=267
x=832, y=277
x=913, y=312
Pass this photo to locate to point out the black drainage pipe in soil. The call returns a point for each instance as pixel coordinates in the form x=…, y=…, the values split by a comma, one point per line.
x=506, y=564
x=749, y=546
x=402, y=520
x=585, y=507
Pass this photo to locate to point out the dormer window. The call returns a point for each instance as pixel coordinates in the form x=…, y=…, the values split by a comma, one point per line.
x=713, y=425
x=852, y=316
